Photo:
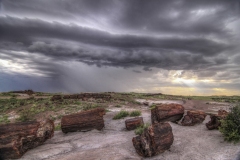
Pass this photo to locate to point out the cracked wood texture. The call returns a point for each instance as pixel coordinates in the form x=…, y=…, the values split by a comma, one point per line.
x=193, y=117
x=167, y=112
x=83, y=121
x=215, y=121
x=17, y=138
x=133, y=123
x=155, y=139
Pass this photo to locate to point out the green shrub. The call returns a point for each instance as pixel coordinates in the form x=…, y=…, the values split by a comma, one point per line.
x=25, y=115
x=135, y=102
x=57, y=127
x=89, y=106
x=106, y=110
x=152, y=106
x=4, y=119
x=230, y=126
x=135, y=113
x=121, y=114
x=139, y=130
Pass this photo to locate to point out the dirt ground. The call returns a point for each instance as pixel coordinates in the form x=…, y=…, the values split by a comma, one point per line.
x=114, y=142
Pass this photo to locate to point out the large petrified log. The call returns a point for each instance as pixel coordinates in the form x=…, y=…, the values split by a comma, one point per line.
x=154, y=140
x=17, y=138
x=83, y=121
x=133, y=123
x=167, y=112
x=215, y=121
x=193, y=117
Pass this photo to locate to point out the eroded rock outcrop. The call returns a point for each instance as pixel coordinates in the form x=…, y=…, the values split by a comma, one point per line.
x=133, y=123
x=155, y=139
x=29, y=92
x=215, y=121
x=193, y=117
x=18, y=138
x=167, y=112
x=83, y=96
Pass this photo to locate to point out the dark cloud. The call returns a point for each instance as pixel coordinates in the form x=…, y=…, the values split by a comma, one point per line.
x=28, y=30
x=113, y=50
x=199, y=36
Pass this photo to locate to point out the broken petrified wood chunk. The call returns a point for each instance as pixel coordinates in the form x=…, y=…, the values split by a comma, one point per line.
x=146, y=103
x=155, y=139
x=17, y=138
x=222, y=113
x=167, y=112
x=193, y=117
x=215, y=121
x=83, y=121
x=133, y=123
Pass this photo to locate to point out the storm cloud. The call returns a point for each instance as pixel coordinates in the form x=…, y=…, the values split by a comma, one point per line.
x=47, y=41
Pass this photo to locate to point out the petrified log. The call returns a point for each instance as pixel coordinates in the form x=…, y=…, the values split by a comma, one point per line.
x=215, y=121
x=193, y=117
x=133, y=123
x=146, y=103
x=154, y=140
x=167, y=112
x=56, y=97
x=83, y=121
x=17, y=138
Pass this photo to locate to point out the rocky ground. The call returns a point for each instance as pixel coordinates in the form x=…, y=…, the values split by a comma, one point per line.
x=114, y=142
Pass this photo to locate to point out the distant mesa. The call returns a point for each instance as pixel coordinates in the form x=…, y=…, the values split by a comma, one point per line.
x=29, y=92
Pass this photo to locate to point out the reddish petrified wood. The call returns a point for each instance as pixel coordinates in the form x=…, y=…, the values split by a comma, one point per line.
x=17, y=138
x=133, y=123
x=167, y=112
x=154, y=140
x=56, y=97
x=83, y=121
x=215, y=121
x=222, y=113
x=193, y=117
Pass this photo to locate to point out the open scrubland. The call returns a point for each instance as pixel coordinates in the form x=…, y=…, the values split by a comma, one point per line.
x=114, y=141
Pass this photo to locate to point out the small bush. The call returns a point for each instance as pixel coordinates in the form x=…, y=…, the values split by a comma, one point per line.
x=230, y=126
x=106, y=110
x=4, y=119
x=135, y=102
x=25, y=116
x=89, y=106
x=139, y=130
x=121, y=114
x=57, y=127
x=135, y=113
x=118, y=106
x=152, y=106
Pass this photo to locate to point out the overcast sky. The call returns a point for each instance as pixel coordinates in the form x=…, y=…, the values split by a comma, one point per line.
x=188, y=47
